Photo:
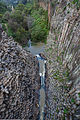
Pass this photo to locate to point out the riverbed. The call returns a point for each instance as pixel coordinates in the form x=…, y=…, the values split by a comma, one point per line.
x=36, y=49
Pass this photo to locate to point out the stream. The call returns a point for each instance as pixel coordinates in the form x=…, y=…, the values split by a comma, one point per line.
x=36, y=50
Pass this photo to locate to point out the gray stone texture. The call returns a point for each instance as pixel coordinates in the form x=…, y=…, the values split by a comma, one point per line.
x=19, y=82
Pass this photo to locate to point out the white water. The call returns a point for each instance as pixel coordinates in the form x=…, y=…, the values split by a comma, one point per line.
x=42, y=89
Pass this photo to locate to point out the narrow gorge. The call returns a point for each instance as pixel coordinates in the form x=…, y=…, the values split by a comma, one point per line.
x=40, y=60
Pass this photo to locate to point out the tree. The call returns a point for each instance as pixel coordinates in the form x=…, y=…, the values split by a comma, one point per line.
x=20, y=7
x=6, y=16
x=3, y=8
x=21, y=35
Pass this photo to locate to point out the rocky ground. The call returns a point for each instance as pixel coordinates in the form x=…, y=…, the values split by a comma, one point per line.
x=19, y=82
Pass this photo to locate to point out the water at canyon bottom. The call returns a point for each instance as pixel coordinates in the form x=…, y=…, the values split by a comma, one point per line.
x=36, y=50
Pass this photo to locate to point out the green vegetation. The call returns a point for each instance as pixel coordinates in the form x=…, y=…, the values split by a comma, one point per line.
x=3, y=9
x=39, y=30
x=64, y=8
x=65, y=111
x=50, y=61
x=77, y=3
x=79, y=94
x=26, y=22
x=57, y=76
x=49, y=49
x=60, y=76
x=68, y=12
x=59, y=60
x=72, y=100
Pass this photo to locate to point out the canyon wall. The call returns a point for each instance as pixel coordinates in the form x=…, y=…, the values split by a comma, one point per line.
x=69, y=47
x=19, y=81
x=66, y=27
x=63, y=55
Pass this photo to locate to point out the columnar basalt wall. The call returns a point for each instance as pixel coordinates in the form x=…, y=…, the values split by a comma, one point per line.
x=69, y=49
x=66, y=25
x=63, y=52
x=19, y=81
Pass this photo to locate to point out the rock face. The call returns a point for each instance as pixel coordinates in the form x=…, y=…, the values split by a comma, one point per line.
x=63, y=56
x=19, y=82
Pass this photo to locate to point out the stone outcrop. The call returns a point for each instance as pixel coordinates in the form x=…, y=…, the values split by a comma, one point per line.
x=63, y=55
x=19, y=81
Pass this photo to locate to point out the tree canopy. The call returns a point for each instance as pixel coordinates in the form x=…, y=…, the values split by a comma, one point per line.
x=27, y=22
